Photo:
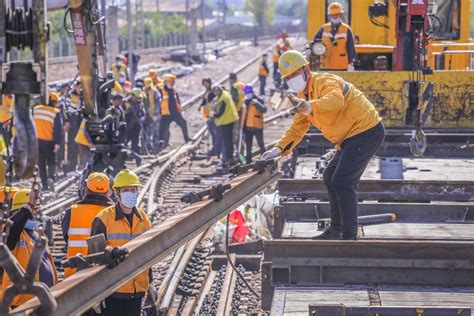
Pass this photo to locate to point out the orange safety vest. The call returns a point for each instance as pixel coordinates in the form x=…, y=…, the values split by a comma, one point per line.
x=82, y=137
x=5, y=112
x=206, y=109
x=254, y=118
x=118, y=233
x=262, y=71
x=239, y=85
x=165, y=107
x=44, y=121
x=22, y=253
x=79, y=230
x=276, y=53
x=336, y=56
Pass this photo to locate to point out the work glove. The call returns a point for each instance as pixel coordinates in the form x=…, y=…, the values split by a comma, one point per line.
x=272, y=153
x=350, y=67
x=302, y=106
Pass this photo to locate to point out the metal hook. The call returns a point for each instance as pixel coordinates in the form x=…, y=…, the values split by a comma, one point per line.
x=418, y=143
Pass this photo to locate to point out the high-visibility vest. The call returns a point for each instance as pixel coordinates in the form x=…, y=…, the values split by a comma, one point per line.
x=118, y=233
x=336, y=56
x=276, y=53
x=150, y=94
x=262, y=71
x=254, y=117
x=165, y=107
x=79, y=230
x=230, y=114
x=206, y=109
x=117, y=70
x=158, y=83
x=44, y=121
x=5, y=112
x=22, y=253
x=82, y=136
x=239, y=86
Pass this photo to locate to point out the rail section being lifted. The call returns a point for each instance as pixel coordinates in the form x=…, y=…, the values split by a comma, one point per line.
x=83, y=290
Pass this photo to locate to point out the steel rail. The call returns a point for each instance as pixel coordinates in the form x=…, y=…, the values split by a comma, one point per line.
x=81, y=291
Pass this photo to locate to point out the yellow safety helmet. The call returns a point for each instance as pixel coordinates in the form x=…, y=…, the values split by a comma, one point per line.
x=126, y=178
x=153, y=72
x=136, y=92
x=335, y=8
x=8, y=190
x=20, y=198
x=53, y=96
x=147, y=82
x=290, y=62
x=169, y=77
x=98, y=182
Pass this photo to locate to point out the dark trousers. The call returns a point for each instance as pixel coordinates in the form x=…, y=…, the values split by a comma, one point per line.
x=276, y=75
x=84, y=153
x=46, y=161
x=249, y=135
x=119, y=307
x=133, y=136
x=343, y=174
x=165, y=127
x=263, y=83
x=226, y=132
x=216, y=142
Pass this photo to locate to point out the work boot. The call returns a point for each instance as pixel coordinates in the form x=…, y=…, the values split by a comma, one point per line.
x=349, y=236
x=330, y=233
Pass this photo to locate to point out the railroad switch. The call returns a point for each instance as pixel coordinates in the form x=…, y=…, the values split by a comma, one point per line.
x=258, y=166
x=100, y=255
x=215, y=193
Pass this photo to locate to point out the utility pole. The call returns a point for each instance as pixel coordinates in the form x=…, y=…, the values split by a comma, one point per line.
x=103, y=7
x=203, y=31
x=140, y=25
x=130, y=42
x=157, y=5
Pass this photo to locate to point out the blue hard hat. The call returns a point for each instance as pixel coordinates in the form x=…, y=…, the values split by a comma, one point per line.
x=248, y=89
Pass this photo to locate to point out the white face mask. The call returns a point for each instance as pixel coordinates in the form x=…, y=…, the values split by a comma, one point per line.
x=297, y=83
x=336, y=21
x=249, y=96
x=129, y=199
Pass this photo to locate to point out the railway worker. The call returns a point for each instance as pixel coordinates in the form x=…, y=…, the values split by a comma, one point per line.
x=6, y=115
x=120, y=223
x=347, y=119
x=21, y=240
x=263, y=72
x=275, y=57
x=152, y=108
x=134, y=117
x=252, y=121
x=157, y=82
x=83, y=145
x=206, y=108
x=339, y=41
x=77, y=220
x=49, y=129
x=225, y=116
x=171, y=110
x=72, y=123
x=237, y=91
x=119, y=68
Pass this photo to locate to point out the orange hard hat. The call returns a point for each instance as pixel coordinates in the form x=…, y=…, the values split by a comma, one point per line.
x=335, y=8
x=98, y=182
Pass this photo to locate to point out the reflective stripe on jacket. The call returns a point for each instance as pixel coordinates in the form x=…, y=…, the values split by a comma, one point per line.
x=336, y=56
x=44, y=121
x=339, y=111
x=230, y=114
x=118, y=232
x=165, y=107
x=79, y=230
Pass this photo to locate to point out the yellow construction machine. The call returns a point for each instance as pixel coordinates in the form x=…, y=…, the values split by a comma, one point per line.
x=414, y=59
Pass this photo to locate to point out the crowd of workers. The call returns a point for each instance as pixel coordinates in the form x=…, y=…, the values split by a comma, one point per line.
x=342, y=113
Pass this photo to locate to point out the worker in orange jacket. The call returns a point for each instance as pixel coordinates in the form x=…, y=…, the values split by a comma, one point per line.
x=252, y=121
x=263, y=72
x=121, y=223
x=77, y=220
x=49, y=129
x=346, y=118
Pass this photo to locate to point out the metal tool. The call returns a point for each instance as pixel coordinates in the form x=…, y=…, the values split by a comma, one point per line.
x=259, y=166
x=215, y=193
x=364, y=220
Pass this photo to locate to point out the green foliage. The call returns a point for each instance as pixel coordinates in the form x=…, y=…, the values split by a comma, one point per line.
x=262, y=10
x=158, y=24
x=57, y=30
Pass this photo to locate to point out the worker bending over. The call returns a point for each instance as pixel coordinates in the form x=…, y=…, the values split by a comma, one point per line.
x=49, y=129
x=225, y=116
x=339, y=41
x=77, y=220
x=21, y=240
x=252, y=121
x=171, y=110
x=121, y=223
x=347, y=119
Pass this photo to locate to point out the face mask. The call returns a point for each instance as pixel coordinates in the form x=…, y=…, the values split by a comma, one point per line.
x=249, y=96
x=336, y=21
x=31, y=224
x=122, y=80
x=118, y=64
x=298, y=83
x=129, y=199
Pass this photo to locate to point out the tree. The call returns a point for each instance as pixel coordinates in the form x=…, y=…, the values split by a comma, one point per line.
x=262, y=10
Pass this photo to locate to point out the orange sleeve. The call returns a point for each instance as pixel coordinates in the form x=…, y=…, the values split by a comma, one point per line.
x=294, y=134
